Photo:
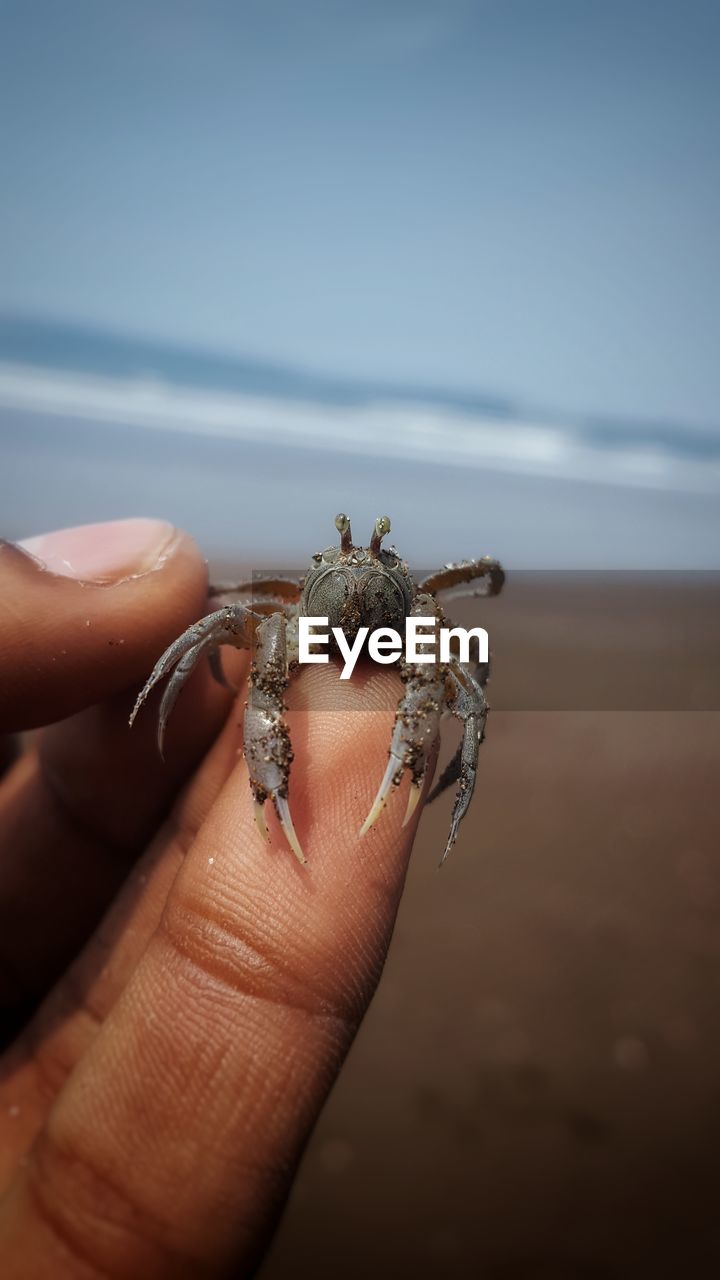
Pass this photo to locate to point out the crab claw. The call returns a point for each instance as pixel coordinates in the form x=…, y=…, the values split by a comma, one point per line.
x=283, y=812
x=391, y=777
x=266, y=737
x=413, y=798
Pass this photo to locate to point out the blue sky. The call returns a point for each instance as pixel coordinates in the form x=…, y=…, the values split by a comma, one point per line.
x=518, y=196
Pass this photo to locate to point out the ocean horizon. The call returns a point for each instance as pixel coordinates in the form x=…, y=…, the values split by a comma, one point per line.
x=95, y=423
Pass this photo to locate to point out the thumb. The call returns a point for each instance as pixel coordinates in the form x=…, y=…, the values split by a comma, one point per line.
x=172, y=1146
x=84, y=613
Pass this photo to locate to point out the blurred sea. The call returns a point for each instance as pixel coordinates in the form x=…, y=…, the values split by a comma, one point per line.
x=255, y=459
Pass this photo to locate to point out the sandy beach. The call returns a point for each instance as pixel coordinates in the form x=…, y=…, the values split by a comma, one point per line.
x=534, y=1094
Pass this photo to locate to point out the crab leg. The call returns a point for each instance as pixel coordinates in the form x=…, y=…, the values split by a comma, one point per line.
x=233, y=625
x=179, y=677
x=417, y=723
x=267, y=741
x=259, y=594
x=471, y=708
x=489, y=571
x=479, y=673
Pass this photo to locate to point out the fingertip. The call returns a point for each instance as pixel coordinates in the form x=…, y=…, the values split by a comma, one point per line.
x=105, y=553
x=74, y=633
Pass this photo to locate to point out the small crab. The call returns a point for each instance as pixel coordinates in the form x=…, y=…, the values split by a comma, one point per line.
x=353, y=587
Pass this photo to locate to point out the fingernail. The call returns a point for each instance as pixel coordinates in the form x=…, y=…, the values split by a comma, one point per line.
x=104, y=553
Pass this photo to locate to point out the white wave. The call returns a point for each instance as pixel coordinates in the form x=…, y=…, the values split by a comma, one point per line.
x=425, y=433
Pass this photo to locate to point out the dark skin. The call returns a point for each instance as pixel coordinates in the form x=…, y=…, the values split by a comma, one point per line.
x=183, y=994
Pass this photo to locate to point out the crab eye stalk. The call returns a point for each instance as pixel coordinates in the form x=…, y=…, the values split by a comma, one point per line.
x=382, y=526
x=342, y=524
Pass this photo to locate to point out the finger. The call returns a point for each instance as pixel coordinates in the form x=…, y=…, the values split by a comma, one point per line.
x=76, y=813
x=34, y=1069
x=170, y=1149
x=74, y=816
x=84, y=613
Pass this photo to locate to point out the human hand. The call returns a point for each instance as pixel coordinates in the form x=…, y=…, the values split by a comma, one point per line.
x=197, y=991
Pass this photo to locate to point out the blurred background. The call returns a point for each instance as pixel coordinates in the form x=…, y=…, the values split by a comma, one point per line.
x=457, y=261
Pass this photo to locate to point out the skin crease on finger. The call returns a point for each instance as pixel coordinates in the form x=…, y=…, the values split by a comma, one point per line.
x=235, y=1018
